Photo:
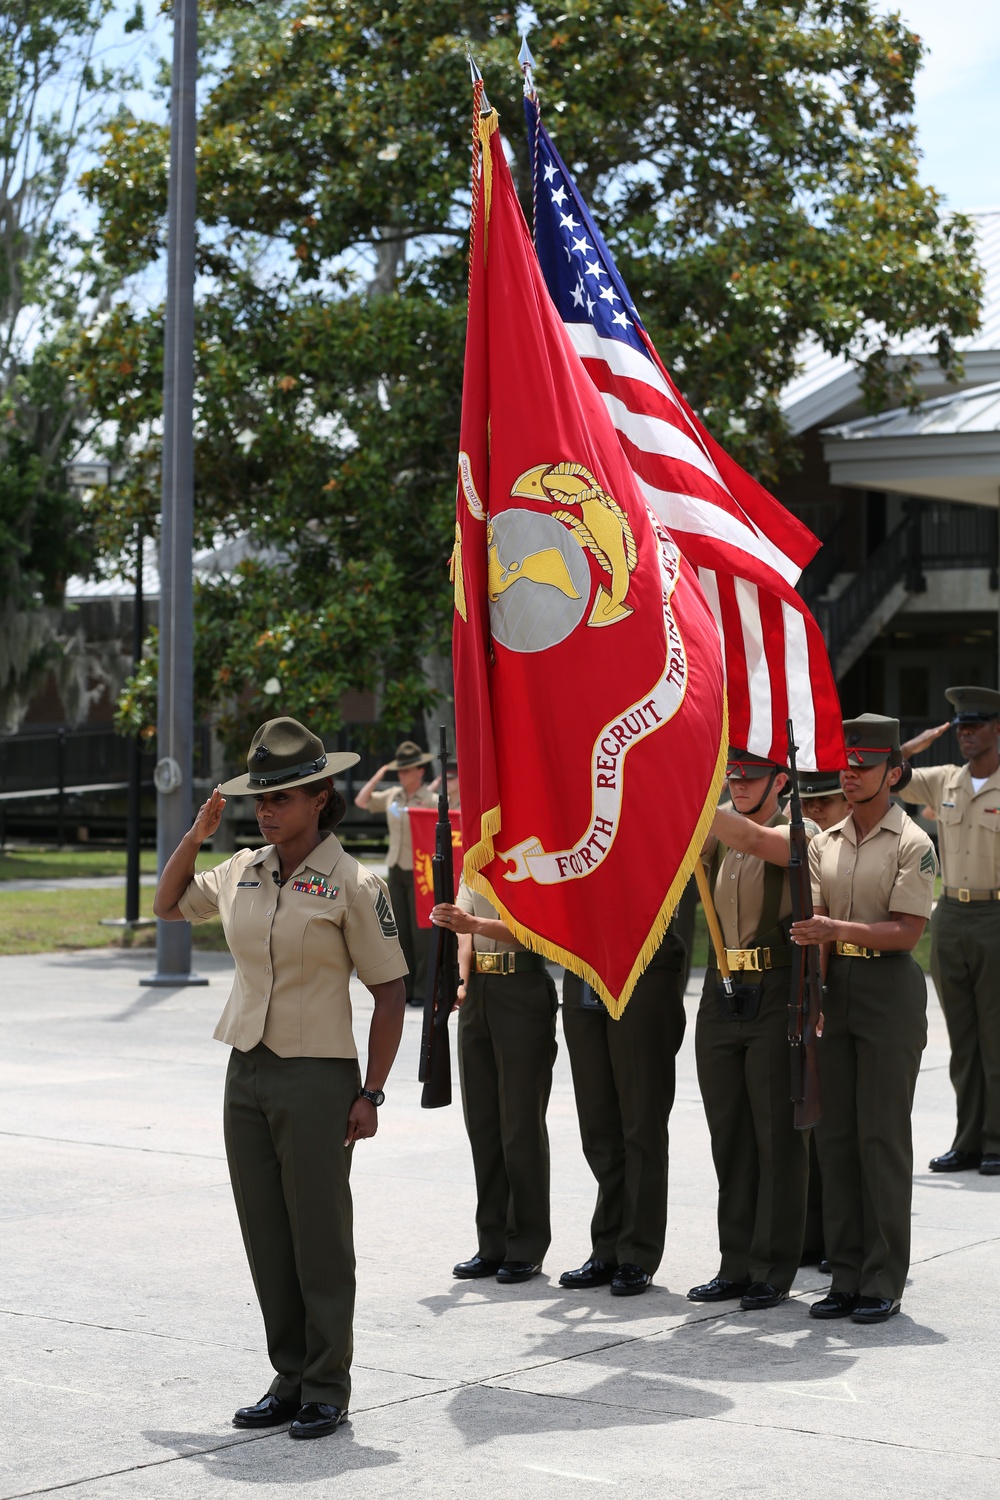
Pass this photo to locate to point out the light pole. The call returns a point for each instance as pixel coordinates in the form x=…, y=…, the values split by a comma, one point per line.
x=175, y=713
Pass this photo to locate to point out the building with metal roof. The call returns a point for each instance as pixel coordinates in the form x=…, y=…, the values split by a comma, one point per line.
x=906, y=503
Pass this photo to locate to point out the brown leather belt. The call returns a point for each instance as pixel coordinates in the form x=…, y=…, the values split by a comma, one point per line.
x=961, y=893
x=508, y=963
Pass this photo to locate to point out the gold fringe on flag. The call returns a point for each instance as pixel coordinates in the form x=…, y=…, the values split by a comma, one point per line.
x=483, y=852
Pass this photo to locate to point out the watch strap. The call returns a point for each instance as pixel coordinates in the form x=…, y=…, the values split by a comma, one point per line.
x=374, y=1096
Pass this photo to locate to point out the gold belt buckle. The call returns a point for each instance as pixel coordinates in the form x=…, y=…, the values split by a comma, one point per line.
x=964, y=895
x=486, y=963
x=743, y=958
x=851, y=950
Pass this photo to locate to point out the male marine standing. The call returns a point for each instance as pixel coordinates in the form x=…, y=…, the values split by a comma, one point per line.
x=965, y=927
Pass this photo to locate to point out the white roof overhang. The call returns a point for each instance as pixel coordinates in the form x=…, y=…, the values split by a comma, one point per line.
x=947, y=449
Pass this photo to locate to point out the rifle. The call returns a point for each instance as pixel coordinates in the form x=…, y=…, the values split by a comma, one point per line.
x=806, y=996
x=439, y=1002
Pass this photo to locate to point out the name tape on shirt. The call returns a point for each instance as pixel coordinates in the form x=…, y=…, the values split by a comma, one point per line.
x=316, y=888
x=247, y=885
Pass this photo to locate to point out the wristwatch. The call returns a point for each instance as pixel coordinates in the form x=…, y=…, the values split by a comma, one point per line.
x=374, y=1096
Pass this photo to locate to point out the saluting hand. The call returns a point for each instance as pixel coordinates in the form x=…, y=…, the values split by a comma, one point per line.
x=921, y=741
x=362, y=1121
x=209, y=817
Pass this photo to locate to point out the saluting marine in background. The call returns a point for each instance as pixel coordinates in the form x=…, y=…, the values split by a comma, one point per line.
x=393, y=801
x=965, y=927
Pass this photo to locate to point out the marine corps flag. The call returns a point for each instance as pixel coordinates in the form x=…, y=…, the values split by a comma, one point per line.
x=588, y=674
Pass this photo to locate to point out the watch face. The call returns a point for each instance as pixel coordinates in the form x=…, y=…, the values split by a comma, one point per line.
x=374, y=1096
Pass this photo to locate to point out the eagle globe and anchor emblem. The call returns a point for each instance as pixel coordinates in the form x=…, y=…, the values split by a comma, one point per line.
x=539, y=580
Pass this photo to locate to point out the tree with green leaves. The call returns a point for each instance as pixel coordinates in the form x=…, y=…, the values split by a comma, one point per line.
x=753, y=164
x=53, y=97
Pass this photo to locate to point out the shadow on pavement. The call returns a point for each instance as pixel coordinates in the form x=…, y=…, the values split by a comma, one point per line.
x=272, y=1457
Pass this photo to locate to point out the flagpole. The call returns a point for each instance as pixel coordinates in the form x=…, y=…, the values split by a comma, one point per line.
x=175, y=711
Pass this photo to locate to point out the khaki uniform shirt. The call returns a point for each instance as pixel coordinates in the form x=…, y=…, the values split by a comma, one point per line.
x=892, y=869
x=295, y=946
x=739, y=891
x=477, y=906
x=393, y=801
x=968, y=824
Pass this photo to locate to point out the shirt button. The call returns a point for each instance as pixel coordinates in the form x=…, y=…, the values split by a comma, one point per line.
x=268, y=912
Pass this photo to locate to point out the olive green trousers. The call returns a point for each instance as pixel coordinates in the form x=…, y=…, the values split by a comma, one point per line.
x=414, y=940
x=761, y=1160
x=506, y=1049
x=965, y=962
x=285, y=1119
x=875, y=1028
x=624, y=1079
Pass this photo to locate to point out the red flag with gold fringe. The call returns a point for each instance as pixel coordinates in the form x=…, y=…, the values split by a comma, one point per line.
x=590, y=705
x=423, y=832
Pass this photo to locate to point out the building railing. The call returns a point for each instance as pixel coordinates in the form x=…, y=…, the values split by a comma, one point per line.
x=929, y=537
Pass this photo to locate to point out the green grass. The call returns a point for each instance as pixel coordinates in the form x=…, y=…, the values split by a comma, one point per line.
x=64, y=864
x=47, y=921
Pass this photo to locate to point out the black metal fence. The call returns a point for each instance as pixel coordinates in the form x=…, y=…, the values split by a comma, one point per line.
x=930, y=536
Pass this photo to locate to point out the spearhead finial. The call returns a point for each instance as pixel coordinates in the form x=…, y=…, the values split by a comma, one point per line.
x=477, y=77
x=527, y=62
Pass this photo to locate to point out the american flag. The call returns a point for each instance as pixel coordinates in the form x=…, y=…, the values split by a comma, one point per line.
x=748, y=549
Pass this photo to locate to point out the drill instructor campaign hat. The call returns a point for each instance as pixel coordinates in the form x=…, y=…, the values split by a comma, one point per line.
x=285, y=753
x=409, y=754
x=974, y=705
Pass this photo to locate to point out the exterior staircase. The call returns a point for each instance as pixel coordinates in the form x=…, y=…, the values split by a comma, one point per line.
x=928, y=537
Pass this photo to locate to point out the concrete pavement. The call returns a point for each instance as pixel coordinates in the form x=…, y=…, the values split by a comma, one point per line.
x=130, y=1329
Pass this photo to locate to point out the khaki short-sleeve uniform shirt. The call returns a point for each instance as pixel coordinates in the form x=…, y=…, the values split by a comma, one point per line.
x=393, y=801
x=892, y=869
x=968, y=824
x=739, y=891
x=295, y=946
x=477, y=906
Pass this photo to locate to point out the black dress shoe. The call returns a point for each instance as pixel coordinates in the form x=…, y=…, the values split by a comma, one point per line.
x=955, y=1161
x=824, y=1268
x=469, y=1270
x=990, y=1166
x=517, y=1270
x=629, y=1280
x=270, y=1411
x=761, y=1294
x=316, y=1419
x=874, y=1309
x=593, y=1272
x=718, y=1290
x=835, y=1305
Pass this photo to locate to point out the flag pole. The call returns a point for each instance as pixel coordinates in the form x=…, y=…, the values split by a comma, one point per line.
x=175, y=710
